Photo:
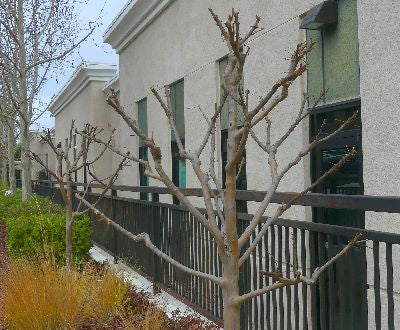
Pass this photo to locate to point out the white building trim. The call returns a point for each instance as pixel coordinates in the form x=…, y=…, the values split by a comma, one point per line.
x=82, y=76
x=133, y=19
x=113, y=83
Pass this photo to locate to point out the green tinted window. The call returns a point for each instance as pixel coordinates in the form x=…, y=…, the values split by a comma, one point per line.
x=142, y=117
x=178, y=107
x=177, y=103
x=333, y=63
x=142, y=120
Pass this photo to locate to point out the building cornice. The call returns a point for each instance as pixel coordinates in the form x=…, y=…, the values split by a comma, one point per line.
x=113, y=83
x=82, y=76
x=134, y=18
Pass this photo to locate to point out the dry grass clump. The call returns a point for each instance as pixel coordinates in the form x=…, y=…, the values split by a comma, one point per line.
x=42, y=296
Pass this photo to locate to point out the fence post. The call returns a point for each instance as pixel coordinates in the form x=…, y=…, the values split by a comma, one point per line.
x=156, y=216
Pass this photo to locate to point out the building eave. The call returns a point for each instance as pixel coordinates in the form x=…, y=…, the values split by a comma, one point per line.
x=135, y=17
x=113, y=83
x=82, y=76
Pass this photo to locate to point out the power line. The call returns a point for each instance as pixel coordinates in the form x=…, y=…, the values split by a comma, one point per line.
x=191, y=72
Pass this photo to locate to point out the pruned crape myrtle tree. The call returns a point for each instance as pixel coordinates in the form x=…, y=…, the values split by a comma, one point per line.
x=69, y=162
x=36, y=38
x=233, y=250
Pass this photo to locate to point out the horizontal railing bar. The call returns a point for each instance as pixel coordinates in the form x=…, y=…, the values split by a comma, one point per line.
x=389, y=204
x=367, y=234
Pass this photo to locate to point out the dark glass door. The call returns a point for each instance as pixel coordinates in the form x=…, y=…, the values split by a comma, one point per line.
x=341, y=299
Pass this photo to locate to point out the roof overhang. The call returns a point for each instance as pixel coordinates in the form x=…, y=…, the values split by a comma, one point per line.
x=321, y=15
x=132, y=20
x=83, y=75
x=113, y=83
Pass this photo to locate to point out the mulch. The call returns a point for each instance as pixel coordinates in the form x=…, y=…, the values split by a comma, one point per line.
x=3, y=250
x=3, y=240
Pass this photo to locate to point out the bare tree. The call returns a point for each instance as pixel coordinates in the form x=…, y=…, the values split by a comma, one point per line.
x=71, y=160
x=3, y=155
x=7, y=119
x=233, y=250
x=35, y=39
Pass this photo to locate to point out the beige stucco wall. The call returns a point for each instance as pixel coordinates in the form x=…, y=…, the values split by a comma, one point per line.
x=189, y=48
x=379, y=42
x=41, y=149
x=89, y=106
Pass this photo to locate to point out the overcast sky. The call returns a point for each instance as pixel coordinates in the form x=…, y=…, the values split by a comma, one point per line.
x=93, y=50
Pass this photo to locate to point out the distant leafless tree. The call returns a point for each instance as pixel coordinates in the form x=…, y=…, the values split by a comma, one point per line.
x=36, y=37
x=69, y=162
x=234, y=250
x=9, y=137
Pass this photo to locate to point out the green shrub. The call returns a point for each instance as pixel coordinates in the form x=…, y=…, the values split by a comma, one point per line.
x=43, y=234
x=36, y=228
x=12, y=206
x=8, y=204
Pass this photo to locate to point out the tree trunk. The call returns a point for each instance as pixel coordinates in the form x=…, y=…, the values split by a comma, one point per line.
x=25, y=162
x=68, y=242
x=68, y=226
x=4, y=162
x=230, y=292
x=11, y=158
x=4, y=158
x=231, y=268
x=25, y=111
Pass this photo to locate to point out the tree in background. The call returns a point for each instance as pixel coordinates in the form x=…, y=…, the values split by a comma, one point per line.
x=70, y=161
x=3, y=148
x=220, y=217
x=9, y=138
x=36, y=38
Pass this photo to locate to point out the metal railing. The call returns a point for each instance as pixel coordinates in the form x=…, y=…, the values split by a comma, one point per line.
x=343, y=298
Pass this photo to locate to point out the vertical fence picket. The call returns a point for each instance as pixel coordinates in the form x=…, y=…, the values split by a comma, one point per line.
x=296, y=288
x=267, y=279
x=322, y=282
x=331, y=290
x=261, y=283
x=304, y=273
x=389, y=274
x=273, y=269
x=288, y=275
x=280, y=265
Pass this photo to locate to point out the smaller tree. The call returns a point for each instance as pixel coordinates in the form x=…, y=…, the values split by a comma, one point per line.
x=68, y=165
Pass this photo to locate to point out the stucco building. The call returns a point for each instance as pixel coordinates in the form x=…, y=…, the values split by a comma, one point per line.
x=82, y=100
x=45, y=153
x=176, y=43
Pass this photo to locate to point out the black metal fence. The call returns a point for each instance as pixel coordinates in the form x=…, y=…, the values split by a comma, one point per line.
x=355, y=293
